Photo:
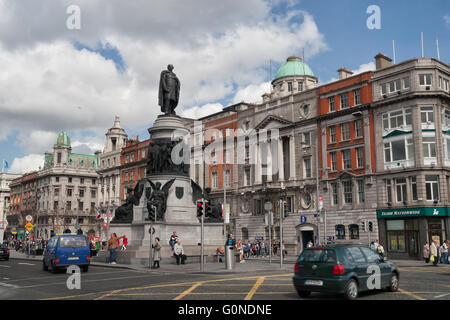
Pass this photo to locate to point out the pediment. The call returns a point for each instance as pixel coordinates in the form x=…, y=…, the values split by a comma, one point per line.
x=273, y=122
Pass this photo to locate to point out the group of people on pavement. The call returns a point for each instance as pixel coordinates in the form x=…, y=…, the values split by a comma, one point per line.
x=436, y=254
x=377, y=247
x=177, y=248
x=114, y=244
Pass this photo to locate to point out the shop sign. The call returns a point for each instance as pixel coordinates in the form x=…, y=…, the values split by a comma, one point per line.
x=412, y=212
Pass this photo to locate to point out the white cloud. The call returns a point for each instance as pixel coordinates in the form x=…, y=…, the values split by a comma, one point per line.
x=203, y=111
x=252, y=93
x=447, y=20
x=27, y=163
x=365, y=67
x=220, y=53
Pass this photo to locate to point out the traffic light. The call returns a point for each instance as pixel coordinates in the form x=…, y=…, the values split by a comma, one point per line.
x=199, y=209
x=208, y=209
x=363, y=226
x=370, y=226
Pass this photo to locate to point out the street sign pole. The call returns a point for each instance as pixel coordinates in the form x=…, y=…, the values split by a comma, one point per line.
x=202, y=236
x=270, y=236
x=281, y=232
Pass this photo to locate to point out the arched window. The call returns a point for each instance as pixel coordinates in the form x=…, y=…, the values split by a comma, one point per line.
x=353, y=230
x=340, y=232
x=244, y=233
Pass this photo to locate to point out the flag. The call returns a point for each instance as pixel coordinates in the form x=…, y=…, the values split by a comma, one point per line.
x=5, y=165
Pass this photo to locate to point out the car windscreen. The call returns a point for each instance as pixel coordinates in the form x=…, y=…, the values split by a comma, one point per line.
x=72, y=242
x=318, y=256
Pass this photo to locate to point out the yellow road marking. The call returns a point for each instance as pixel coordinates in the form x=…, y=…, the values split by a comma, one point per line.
x=111, y=293
x=255, y=287
x=188, y=291
x=75, y=296
x=411, y=294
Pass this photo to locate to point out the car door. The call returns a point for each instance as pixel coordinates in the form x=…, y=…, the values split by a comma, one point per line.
x=50, y=251
x=360, y=265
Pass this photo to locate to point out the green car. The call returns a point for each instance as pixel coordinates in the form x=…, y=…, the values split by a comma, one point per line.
x=343, y=269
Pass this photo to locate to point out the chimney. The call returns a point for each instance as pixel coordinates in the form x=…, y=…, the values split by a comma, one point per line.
x=382, y=61
x=344, y=73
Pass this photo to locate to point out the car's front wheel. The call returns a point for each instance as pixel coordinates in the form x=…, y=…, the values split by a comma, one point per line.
x=393, y=283
x=303, y=293
x=351, y=290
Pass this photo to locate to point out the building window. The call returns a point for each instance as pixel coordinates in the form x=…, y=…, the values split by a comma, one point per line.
x=333, y=157
x=59, y=157
x=429, y=147
x=307, y=138
x=361, y=191
x=446, y=118
x=227, y=178
x=394, y=86
x=69, y=192
x=56, y=191
x=427, y=114
x=406, y=83
x=348, y=191
x=215, y=180
x=214, y=157
x=68, y=205
x=346, y=159
x=247, y=152
x=432, y=187
x=414, y=188
x=81, y=180
x=333, y=134
x=443, y=84
x=57, y=179
x=344, y=100
x=353, y=231
x=307, y=163
x=80, y=205
x=132, y=157
x=126, y=158
x=383, y=88
x=81, y=191
x=396, y=119
x=345, y=131
x=340, y=232
x=300, y=86
x=247, y=177
x=396, y=235
x=359, y=157
x=357, y=96
x=331, y=104
x=335, y=195
x=55, y=205
x=388, y=191
x=227, y=156
x=400, y=188
x=290, y=86
x=93, y=194
x=358, y=128
x=425, y=79
x=244, y=233
x=399, y=150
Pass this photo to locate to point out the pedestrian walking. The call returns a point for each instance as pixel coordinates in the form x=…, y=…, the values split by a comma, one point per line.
x=240, y=249
x=178, y=251
x=220, y=253
x=434, y=253
x=124, y=243
x=380, y=249
x=444, y=252
x=156, y=253
x=263, y=248
x=113, y=244
x=426, y=252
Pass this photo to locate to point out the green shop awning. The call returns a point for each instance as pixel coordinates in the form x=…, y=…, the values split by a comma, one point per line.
x=413, y=212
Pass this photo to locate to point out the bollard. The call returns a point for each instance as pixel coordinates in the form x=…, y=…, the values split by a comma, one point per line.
x=229, y=257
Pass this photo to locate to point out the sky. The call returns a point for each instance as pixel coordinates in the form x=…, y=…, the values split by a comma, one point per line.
x=54, y=78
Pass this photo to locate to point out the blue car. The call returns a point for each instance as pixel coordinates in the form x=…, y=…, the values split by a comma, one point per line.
x=66, y=250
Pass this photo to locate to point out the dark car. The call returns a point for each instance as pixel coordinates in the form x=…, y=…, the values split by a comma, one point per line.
x=4, y=252
x=343, y=269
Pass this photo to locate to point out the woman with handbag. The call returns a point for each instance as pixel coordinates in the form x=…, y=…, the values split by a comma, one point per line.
x=156, y=253
x=178, y=252
x=426, y=252
x=434, y=253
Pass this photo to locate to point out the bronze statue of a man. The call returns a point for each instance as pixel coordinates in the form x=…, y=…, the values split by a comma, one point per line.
x=169, y=91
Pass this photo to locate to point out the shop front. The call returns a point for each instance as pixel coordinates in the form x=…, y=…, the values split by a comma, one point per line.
x=403, y=232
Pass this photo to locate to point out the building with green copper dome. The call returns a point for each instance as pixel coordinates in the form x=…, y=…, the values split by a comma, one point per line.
x=292, y=77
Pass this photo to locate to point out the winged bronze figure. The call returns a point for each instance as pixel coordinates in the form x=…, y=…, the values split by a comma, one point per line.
x=124, y=213
x=157, y=199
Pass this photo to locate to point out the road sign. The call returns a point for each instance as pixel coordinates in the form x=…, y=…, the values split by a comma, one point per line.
x=302, y=219
x=320, y=202
x=29, y=218
x=29, y=226
x=268, y=206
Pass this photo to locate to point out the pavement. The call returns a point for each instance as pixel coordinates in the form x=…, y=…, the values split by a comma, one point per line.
x=252, y=264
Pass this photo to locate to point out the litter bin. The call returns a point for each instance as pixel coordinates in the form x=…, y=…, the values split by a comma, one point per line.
x=229, y=257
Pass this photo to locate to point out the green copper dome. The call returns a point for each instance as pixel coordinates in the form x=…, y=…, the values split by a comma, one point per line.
x=294, y=66
x=63, y=139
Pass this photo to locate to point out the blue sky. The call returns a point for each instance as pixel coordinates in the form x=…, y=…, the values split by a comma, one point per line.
x=342, y=39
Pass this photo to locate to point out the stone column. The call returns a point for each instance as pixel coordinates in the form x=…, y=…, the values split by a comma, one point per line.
x=280, y=159
x=258, y=164
x=269, y=160
x=292, y=160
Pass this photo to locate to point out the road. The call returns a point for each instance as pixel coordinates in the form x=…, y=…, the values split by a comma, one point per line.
x=25, y=279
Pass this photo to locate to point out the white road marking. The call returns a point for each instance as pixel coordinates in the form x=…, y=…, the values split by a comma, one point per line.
x=82, y=275
x=442, y=295
x=9, y=285
x=27, y=264
x=5, y=266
